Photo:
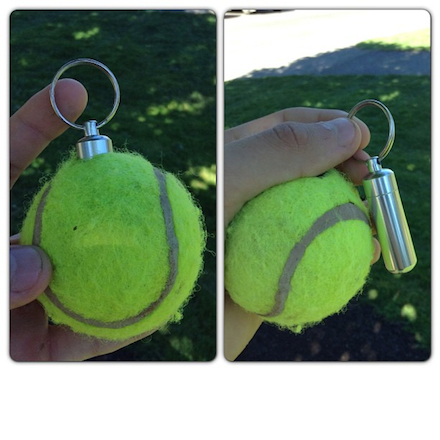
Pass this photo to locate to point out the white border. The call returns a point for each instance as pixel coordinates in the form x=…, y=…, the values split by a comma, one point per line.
x=219, y=399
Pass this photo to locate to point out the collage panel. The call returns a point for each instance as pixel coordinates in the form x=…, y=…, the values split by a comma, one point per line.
x=113, y=168
x=327, y=182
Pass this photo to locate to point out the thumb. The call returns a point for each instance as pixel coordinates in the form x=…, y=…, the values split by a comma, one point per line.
x=282, y=153
x=30, y=273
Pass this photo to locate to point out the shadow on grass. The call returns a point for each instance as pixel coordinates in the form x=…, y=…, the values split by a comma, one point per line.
x=356, y=61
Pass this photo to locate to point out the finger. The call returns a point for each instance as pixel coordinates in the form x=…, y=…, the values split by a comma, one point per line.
x=377, y=252
x=282, y=153
x=30, y=274
x=67, y=345
x=240, y=327
x=377, y=249
x=295, y=114
x=28, y=333
x=35, y=124
x=356, y=167
x=33, y=339
x=14, y=239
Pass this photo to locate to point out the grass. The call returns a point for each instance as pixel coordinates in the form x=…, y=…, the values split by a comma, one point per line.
x=417, y=40
x=165, y=63
x=403, y=299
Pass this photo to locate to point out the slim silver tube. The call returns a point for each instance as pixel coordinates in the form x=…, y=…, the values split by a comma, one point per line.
x=389, y=217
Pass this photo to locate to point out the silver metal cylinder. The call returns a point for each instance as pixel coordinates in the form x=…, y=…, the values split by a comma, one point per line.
x=389, y=218
x=93, y=143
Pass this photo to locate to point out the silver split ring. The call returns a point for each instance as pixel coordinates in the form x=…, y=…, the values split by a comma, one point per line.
x=80, y=62
x=392, y=130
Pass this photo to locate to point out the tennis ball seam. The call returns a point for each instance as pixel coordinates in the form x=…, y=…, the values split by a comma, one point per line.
x=173, y=254
x=345, y=212
x=38, y=222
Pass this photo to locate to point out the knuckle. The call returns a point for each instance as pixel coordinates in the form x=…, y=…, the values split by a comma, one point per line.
x=291, y=134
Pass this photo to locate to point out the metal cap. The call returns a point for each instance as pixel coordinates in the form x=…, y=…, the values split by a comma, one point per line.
x=93, y=143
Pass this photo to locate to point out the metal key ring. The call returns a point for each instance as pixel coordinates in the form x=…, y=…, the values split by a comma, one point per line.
x=392, y=131
x=80, y=62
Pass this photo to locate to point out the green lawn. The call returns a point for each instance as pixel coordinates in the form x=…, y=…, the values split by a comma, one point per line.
x=165, y=63
x=416, y=40
x=404, y=299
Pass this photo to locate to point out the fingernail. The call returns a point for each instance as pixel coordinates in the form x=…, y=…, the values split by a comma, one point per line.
x=25, y=265
x=346, y=131
x=361, y=155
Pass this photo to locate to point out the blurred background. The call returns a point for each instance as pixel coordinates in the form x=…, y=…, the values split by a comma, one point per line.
x=165, y=63
x=334, y=59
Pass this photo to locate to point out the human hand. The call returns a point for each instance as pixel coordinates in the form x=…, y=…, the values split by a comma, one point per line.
x=280, y=147
x=32, y=128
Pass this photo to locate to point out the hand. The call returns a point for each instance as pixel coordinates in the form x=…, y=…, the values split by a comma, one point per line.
x=32, y=128
x=283, y=146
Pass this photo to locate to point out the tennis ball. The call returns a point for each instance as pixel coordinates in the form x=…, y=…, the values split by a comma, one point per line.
x=299, y=251
x=126, y=243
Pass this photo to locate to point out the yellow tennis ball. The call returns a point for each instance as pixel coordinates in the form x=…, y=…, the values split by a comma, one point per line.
x=125, y=240
x=300, y=251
